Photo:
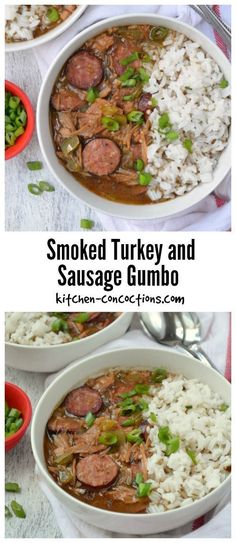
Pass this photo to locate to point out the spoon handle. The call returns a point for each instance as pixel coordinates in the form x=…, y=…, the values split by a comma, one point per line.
x=198, y=353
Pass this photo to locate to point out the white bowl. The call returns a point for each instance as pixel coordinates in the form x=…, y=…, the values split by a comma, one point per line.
x=55, y=357
x=78, y=373
x=48, y=36
x=147, y=211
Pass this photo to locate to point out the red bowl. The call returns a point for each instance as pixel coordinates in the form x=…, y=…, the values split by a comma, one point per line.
x=16, y=397
x=25, y=138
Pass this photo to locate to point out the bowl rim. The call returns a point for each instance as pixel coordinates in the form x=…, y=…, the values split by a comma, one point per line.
x=17, y=435
x=53, y=33
x=21, y=142
x=85, y=505
x=117, y=209
x=9, y=343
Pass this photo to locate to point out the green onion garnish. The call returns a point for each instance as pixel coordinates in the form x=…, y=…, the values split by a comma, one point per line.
x=129, y=83
x=159, y=375
x=15, y=119
x=187, y=144
x=59, y=325
x=144, y=490
x=92, y=94
x=134, y=436
x=8, y=513
x=89, y=419
x=12, y=487
x=110, y=124
x=139, y=478
x=224, y=83
x=45, y=186
x=128, y=422
x=164, y=121
x=86, y=223
x=143, y=75
x=223, y=407
x=158, y=33
x=172, y=135
x=172, y=446
x=154, y=101
x=153, y=417
x=53, y=14
x=135, y=117
x=128, y=60
x=34, y=189
x=81, y=318
x=144, y=178
x=141, y=388
x=126, y=75
x=18, y=509
x=139, y=165
x=35, y=165
x=192, y=455
x=108, y=438
x=164, y=434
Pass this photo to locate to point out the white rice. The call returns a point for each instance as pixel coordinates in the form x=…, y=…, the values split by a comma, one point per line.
x=203, y=428
x=22, y=21
x=185, y=82
x=33, y=329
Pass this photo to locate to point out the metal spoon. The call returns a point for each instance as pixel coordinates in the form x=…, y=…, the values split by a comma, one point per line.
x=193, y=336
x=222, y=28
x=168, y=329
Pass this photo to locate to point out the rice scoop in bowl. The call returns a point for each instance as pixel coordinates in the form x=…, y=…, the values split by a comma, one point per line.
x=134, y=440
x=139, y=114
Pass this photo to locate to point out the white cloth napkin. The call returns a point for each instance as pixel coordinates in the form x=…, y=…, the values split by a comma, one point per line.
x=215, y=330
x=204, y=216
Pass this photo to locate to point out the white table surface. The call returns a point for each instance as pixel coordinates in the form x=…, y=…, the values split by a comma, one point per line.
x=25, y=212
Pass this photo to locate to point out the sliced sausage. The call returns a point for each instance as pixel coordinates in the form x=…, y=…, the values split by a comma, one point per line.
x=84, y=70
x=66, y=100
x=83, y=400
x=96, y=471
x=121, y=51
x=101, y=156
x=65, y=424
x=144, y=102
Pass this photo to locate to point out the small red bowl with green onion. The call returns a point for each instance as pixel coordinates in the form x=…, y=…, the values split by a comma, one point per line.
x=19, y=120
x=18, y=413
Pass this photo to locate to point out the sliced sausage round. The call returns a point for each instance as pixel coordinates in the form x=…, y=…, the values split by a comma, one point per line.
x=101, y=156
x=96, y=471
x=66, y=100
x=84, y=70
x=83, y=400
x=144, y=102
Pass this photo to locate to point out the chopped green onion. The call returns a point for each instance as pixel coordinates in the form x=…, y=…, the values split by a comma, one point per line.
x=134, y=436
x=126, y=395
x=87, y=224
x=153, y=417
x=34, y=189
x=128, y=60
x=35, y=165
x=108, y=438
x=224, y=83
x=59, y=325
x=144, y=178
x=13, y=102
x=192, y=455
x=128, y=409
x=92, y=94
x=128, y=97
x=154, y=101
x=128, y=422
x=15, y=119
x=110, y=124
x=143, y=75
x=144, y=490
x=135, y=117
x=172, y=446
x=141, y=388
x=18, y=509
x=139, y=165
x=187, y=144
x=164, y=121
x=53, y=14
x=126, y=75
x=172, y=135
x=89, y=419
x=129, y=83
x=8, y=513
x=139, y=478
x=81, y=318
x=142, y=405
x=158, y=33
x=223, y=407
x=164, y=434
x=159, y=375
x=46, y=187
x=12, y=487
